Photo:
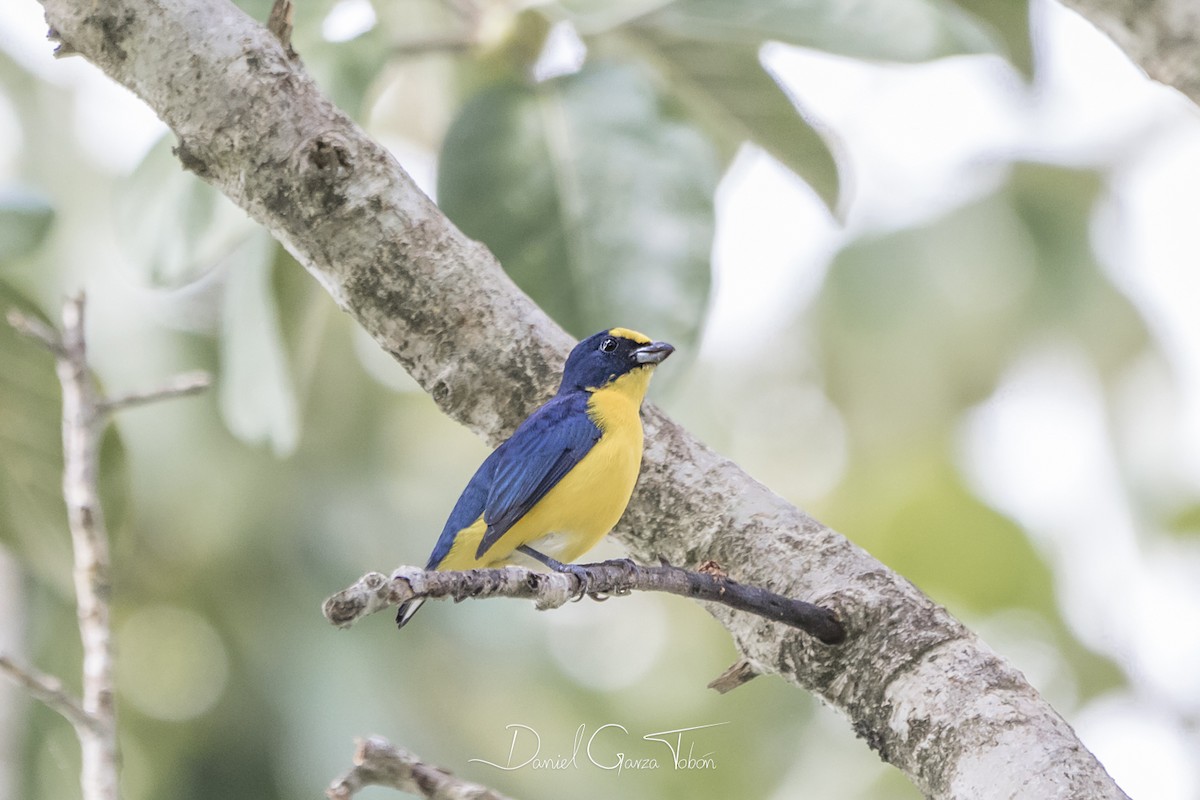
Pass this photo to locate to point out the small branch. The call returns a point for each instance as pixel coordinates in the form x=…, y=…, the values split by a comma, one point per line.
x=374, y=592
x=84, y=415
x=279, y=22
x=49, y=690
x=82, y=425
x=182, y=385
x=35, y=329
x=380, y=763
x=435, y=44
x=741, y=673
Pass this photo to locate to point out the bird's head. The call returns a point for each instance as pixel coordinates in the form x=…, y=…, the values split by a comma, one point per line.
x=601, y=359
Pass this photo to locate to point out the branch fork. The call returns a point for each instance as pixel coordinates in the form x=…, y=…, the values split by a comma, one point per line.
x=85, y=413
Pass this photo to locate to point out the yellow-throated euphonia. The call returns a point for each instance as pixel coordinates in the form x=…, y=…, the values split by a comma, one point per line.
x=563, y=479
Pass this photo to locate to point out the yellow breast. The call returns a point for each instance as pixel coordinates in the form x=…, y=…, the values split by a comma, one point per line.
x=585, y=505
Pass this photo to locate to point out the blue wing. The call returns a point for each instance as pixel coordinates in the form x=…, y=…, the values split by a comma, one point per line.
x=546, y=447
x=516, y=476
x=521, y=471
x=468, y=508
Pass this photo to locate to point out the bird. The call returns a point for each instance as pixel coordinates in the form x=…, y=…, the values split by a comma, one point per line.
x=560, y=483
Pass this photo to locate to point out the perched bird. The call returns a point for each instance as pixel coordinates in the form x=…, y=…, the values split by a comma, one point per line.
x=563, y=479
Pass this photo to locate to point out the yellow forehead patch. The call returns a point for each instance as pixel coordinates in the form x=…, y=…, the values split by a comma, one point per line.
x=625, y=333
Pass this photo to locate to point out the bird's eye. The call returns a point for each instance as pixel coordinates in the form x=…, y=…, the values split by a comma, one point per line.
x=608, y=345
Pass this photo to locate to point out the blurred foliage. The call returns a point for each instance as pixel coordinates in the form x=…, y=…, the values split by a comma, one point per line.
x=916, y=326
x=176, y=229
x=1186, y=522
x=1008, y=22
x=624, y=218
x=590, y=168
x=25, y=219
x=31, y=456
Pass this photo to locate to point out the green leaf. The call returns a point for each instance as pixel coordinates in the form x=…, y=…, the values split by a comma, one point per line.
x=891, y=30
x=1185, y=522
x=593, y=193
x=729, y=91
x=33, y=522
x=1075, y=296
x=256, y=396
x=1008, y=21
x=175, y=227
x=25, y=219
x=708, y=51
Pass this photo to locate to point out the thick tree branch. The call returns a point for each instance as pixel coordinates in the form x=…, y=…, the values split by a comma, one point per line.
x=1161, y=36
x=918, y=686
x=379, y=763
x=374, y=592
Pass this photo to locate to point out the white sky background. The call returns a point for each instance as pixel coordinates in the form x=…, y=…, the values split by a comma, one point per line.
x=920, y=140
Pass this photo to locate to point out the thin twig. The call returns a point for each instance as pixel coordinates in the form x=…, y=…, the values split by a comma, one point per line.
x=35, y=329
x=279, y=22
x=84, y=415
x=82, y=425
x=380, y=763
x=459, y=43
x=187, y=383
x=374, y=591
x=49, y=690
x=739, y=674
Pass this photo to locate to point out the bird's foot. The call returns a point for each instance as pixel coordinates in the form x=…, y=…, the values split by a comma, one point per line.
x=580, y=572
x=584, y=576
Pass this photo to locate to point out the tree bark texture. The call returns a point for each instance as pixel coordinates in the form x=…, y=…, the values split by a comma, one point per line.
x=375, y=592
x=918, y=686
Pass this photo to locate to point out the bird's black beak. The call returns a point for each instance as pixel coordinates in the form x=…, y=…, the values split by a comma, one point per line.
x=653, y=353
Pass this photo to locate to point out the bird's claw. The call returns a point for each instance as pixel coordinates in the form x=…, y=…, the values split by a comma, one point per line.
x=584, y=577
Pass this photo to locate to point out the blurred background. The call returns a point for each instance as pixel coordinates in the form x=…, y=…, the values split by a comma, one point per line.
x=931, y=267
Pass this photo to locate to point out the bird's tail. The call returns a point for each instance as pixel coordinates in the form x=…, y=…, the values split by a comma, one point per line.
x=406, y=610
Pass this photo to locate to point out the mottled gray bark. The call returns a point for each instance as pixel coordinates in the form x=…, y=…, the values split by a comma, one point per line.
x=919, y=687
x=1161, y=36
